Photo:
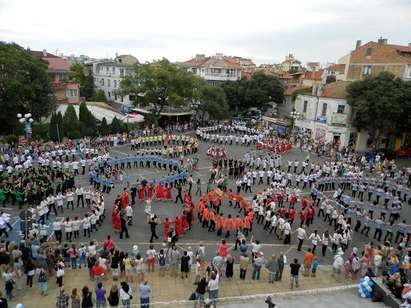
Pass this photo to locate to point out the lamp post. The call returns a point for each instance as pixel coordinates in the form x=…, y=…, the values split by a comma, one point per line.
x=27, y=120
x=294, y=116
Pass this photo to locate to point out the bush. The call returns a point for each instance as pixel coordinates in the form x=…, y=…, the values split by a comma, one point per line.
x=41, y=131
x=12, y=139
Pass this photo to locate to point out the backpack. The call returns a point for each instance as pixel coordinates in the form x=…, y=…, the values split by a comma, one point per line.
x=42, y=277
x=161, y=260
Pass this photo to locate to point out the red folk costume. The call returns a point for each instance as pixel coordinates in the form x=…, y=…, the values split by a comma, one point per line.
x=184, y=221
x=124, y=199
x=115, y=217
x=167, y=192
x=179, y=226
x=159, y=192
x=140, y=192
x=166, y=228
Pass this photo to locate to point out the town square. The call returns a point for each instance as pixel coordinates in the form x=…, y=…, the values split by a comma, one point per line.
x=146, y=174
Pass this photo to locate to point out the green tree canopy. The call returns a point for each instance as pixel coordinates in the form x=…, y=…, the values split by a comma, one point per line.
x=99, y=96
x=256, y=92
x=104, y=129
x=380, y=104
x=24, y=86
x=159, y=85
x=212, y=101
x=116, y=126
x=77, y=73
x=331, y=78
x=71, y=123
x=88, y=123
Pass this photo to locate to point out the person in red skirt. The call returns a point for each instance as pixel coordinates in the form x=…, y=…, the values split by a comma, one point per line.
x=115, y=217
x=149, y=191
x=140, y=192
x=124, y=198
x=160, y=192
x=179, y=227
x=166, y=227
x=167, y=192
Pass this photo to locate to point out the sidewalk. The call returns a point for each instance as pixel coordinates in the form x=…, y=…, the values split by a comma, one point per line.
x=171, y=290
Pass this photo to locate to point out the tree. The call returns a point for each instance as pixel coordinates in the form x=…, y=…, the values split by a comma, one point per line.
x=116, y=126
x=256, y=92
x=330, y=79
x=99, y=96
x=71, y=123
x=377, y=104
x=88, y=123
x=213, y=102
x=53, y=133
x=77, y=73
x=160, y=85
x=24, y=86
x=104, y=129
x=60, y=126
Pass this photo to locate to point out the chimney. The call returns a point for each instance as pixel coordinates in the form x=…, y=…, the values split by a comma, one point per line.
x=382, y=41
x=44, y=53
x=358, y=44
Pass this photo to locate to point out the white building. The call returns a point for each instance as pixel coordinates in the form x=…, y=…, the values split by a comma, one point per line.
x=108, y=75
x=214, y=69
x=327, y=116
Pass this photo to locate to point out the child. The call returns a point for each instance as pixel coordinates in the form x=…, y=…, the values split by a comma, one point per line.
x=314, y=267
x=42, y=280
x=162, y=262
x=59, y=273
x=82, y=256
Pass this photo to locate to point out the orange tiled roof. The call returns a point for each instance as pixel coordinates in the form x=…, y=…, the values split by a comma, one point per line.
x=314, y=75
x=338, y=68
x=335, y=89
x=202, y=61
x=381, y=53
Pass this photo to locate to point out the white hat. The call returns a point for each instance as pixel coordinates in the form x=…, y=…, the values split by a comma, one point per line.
x=135, y=247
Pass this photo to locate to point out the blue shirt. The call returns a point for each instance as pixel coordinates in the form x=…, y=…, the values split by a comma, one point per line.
x=145, y=290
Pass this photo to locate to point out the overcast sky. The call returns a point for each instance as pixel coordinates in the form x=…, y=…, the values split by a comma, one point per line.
x=313, y=30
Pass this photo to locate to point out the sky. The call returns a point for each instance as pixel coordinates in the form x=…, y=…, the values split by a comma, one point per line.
x=263, y=30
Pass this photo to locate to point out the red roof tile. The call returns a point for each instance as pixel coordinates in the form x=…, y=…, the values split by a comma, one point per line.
x=335, y=89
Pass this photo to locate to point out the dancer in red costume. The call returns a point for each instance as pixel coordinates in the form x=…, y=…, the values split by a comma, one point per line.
x=167, y=192
x=179, y=227
x=115, y=217
x=166, y=227
x=124, y=198
x=184, y=221
x=140, y=192
x=149, y=191
x=159, y=192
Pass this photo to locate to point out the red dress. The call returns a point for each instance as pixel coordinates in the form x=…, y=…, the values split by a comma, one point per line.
x=184, y=221
x=179, y=227
x=140, y=192
x=166, y=228
x=167, y=192
x=159, y=192
x=115, y=215
x=124, y=199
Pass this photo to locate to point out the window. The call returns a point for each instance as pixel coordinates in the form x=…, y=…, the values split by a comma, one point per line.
x=114, y=70
x=107, y=68
x=108, y=83
x=109, y=94
x=71, y=92
x=324, y=110
x=366, y=70
x=115, y=84
x=368, y=52
x=305, y=106
x=408, y=71
x=102, y=82
x=121, y=72
x=340, y=108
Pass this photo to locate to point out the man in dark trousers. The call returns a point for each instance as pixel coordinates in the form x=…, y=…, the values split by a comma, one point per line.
x=153, y=222
x=179, y=189
x=123, y=222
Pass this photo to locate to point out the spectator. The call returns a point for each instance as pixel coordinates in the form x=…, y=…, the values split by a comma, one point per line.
x=308, y=261
x=42, y=281
x=213, y=288
x=3, y=301
x=229, y=267
x=199, y=293
x=113, y=298
x=100, y=296
x=75, y=299
x=62, y=299
x=185, y=265
x=125, y=294
x=244, y=261
x=294, y=272
x=258, y=263
x=145, y=294
x=86, y=301
x=281, y=260
x=272, y=267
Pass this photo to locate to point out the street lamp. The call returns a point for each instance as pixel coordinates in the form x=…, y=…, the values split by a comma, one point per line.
x=294, y=116
x=27, y=120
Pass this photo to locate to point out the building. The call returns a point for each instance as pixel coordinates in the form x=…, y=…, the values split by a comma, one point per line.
x=313, y=66
x=66, y=90
x=108, y=75
x=290, y=64
x=336, y=70
x=376, y=57
x=327, y=116
x=214, y=69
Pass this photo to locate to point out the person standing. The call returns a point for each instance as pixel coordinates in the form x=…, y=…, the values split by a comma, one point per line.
x=244, y=261
x=80, y=196
x=185, y=265
x=294, y=272
x=62, y=299
x=257, y=265
x=213, y=288
x=100, y=296
x=272, y=268
x=315, y=238
x=145, y=291
x=123, y=225
x=125, y=294
x=301, y=233
x=153, y=222
x=308, y=261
